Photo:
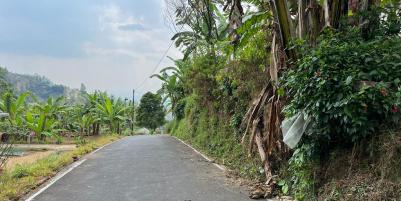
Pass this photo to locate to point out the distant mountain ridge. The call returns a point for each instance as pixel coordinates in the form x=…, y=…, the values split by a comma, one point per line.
x=40, y=86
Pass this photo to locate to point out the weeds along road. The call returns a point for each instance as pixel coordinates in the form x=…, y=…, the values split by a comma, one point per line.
x=144, y=168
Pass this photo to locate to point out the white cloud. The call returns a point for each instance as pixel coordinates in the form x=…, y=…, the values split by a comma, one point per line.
x=148, y=44
x=115, y=59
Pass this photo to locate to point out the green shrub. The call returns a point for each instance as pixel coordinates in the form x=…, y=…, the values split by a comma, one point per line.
x=59, y=139
x=20, y=172
x=79, y=141
x=348, y=86
x=301, y=168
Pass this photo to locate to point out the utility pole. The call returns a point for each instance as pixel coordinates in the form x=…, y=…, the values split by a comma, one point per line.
x=133, y=111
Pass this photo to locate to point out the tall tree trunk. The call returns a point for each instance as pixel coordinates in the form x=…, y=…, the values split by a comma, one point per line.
x=326, y=8
x=94, y=129
x=333, y=11
x=302, y=18
x=365, y=23
x=43, y=137
x=285, y=26
x=314, y=21
x=111, y=128
x=97, y=129
x=263, y=156
x=274, y=58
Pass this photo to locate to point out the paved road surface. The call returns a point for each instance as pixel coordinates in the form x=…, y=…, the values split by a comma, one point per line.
x=144, y=168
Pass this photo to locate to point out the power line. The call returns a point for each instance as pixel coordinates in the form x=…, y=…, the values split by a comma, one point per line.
x=157, y=65
x=160, y=61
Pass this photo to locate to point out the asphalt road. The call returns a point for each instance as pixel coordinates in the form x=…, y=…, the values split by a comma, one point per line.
x=144, y=168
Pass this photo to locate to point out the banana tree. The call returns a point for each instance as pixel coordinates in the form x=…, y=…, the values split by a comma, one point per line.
x=206, y=26
x=51, y=108
x=172, y=88
x=44, y=117
x=111, y=112
x=68, y=119
x=85, y=122
x=90, y=108
x=14, y=107
x=40, y=125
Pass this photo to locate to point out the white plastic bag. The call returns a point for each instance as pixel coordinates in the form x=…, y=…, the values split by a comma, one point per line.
x=293, y=128
x=4, y=115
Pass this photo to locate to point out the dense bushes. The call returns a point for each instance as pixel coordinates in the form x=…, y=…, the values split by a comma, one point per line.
x=350, y=87
x=347, y=85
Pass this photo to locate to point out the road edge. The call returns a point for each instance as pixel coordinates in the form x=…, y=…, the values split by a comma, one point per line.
x=221, y=167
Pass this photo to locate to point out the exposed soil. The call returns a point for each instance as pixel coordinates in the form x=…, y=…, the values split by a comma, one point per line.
x=45, y=147
x=34, y=152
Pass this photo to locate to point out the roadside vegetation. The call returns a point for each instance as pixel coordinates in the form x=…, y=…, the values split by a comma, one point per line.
x=37, y=130
x=22, y=179
x=248, y=65
x=38, y=121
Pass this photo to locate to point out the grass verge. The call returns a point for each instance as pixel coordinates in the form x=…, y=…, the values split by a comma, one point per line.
x=214, y=138
x=23, y=178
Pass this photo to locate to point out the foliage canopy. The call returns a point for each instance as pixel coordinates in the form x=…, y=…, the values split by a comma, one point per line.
x=150, y=111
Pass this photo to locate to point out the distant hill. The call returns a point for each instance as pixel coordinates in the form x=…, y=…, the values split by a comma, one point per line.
x=40, y=86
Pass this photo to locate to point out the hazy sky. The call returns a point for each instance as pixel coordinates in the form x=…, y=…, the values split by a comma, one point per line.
x=107, y=45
